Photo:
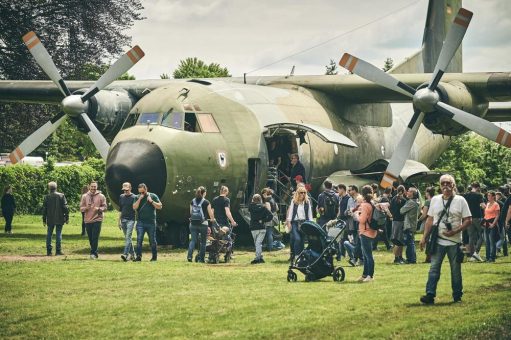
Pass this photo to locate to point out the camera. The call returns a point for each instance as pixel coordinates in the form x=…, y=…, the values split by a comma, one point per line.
x=448, y=225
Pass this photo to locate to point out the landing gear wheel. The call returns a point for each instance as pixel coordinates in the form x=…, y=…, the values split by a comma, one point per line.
x=291, y=276
x=338, y=275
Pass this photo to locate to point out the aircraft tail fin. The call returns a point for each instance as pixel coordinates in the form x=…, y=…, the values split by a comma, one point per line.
x=439, y=19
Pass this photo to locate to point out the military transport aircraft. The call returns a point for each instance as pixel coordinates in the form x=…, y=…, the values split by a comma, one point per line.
x=175, y=135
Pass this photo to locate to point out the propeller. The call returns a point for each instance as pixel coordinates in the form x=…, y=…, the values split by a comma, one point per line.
x=426, y=100
x=72, y=105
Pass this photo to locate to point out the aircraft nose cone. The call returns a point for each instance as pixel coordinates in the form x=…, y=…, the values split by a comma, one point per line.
x=135, y=161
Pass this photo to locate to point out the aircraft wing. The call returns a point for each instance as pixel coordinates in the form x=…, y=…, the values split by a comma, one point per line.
x=489, y=87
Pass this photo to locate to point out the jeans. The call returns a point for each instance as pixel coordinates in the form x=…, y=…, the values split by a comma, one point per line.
x=366, y=244
x=58, y=235
x=475, y=235
x=269, y=237
x=127, y=229
x=411, y=257
x=350, y=249
x=8, y=215
x=297, y=239
x=258, y=236
x=93, y=231
x=150, y=229
x=490, y=236
x=83, y=224
x=357, y=253
x=436, y=265
x=195, y=230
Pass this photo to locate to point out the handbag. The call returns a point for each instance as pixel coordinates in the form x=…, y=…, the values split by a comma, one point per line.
x=433, y=235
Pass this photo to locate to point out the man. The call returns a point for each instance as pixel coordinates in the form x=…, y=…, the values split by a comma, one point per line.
x=352, y=224
x=328, y=204
x=411, y=213
x=297, y=169
x=55, y=214
x=343, y=206
x=451, y=214
x=475, y=203
x=398, y=221
x=221, y=206
x=127, y=220
x=93, y=204
x=146, y=204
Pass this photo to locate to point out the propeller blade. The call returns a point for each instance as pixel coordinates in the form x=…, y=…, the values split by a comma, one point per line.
x=97, y=138
x=480, y=126
x=35, y=139
x=374, y=74
x=402, y=151
x=121, y=66
x=451, y=44
x=45, y=61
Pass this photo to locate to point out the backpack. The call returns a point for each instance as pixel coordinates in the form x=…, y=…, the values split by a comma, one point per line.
x=331, y=205
x=197, y=215
x=378, y=219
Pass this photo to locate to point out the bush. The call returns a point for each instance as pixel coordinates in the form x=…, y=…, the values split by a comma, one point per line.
x=30, y=184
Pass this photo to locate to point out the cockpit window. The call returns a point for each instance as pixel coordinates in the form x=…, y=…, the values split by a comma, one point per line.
x=130, y=120
x=207, y=122
x=149, y=118
x=173, y=119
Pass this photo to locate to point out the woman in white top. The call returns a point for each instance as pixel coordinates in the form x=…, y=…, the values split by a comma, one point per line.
x=299, y=211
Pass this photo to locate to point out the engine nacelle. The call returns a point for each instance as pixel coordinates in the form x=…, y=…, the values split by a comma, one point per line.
x=455, y=94
x=108, y=110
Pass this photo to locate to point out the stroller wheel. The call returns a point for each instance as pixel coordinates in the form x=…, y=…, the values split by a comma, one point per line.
x=338, y=275
x=291, y=276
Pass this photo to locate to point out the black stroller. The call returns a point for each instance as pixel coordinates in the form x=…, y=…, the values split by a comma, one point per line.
x=316, y=261
x=220, y=241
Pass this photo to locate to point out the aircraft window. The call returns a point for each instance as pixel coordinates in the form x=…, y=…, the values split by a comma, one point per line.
x=207, y=122
x=130, y=120
x=173, y=120
x=149, y=118
x=191, y=122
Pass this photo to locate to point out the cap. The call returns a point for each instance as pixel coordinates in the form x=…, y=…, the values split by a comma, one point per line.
x=126, y=186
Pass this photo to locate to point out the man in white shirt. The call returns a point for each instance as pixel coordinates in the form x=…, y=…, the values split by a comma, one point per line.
x=454, y=220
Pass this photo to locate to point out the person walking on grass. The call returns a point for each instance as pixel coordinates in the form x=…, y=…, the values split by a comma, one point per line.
x=55, y=214
x=200, y=209
x=259, y=214
x=411, y=213
x=448, y=216
x=366, y=234
x=146, y=205
x=8, y=208
x=93, y=204
x=126, y=220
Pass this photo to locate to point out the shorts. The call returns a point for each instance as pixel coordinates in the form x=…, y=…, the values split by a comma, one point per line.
x=397, y=236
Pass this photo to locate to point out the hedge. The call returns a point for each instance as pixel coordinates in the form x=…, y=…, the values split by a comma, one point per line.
x=30, y=184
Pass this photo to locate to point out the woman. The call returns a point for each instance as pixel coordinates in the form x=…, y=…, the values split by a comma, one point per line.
x=259, y=214
x=430, y=192
x=201, y=206
x=491, y=218
x=299, y=211
x=269, y=202
x=398, y=219
x=8, y=208
x=366, y=234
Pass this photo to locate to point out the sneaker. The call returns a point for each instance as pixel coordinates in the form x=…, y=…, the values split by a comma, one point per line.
x=153, y=259
x=361, y=279
x=124, y=257
x=350, y=261
x=477, y=257
x=59, y=253
x=48, y=254
x=472, y=259
x=190, y=259
x=261, y=260
x=93, y=257
x=368, y=279
x=138, y=259
x=427, y=299
x=456, y=300
x=255, y=261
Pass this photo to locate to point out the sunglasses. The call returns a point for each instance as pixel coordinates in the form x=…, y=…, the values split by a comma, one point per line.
x=446, y=184
x=302, y=193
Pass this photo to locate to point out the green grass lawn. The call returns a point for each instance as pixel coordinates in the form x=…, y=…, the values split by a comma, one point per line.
x=74, y=297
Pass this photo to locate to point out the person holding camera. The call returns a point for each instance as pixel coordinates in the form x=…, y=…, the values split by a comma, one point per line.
x=146, y=205
x=448, y=216
x=93, y=204
x=411, y=213
x=55, y=214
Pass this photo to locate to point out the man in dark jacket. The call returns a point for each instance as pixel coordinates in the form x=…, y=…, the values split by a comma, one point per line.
x=259, y=214
x=55, y=214
x=328, y=204
x=297, y=169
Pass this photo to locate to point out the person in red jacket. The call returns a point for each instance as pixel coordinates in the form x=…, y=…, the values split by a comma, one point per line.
x=366, y=234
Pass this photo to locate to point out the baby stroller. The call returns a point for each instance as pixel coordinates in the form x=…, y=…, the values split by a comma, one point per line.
x=316, y=261
x=220, y=241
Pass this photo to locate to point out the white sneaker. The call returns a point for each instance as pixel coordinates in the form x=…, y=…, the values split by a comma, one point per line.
x=368, y=279
x=477, y=257
x=93, y=257
x=472, y=259
x=361, y=279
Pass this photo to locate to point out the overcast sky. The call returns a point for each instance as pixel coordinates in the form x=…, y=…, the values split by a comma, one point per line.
x=245, y=35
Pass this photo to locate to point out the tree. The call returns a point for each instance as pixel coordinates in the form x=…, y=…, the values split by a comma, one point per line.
x=331, y=68
x=388, y=64
x=195, y=68
x=471, y=157
x=72, y=36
